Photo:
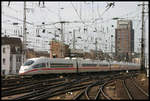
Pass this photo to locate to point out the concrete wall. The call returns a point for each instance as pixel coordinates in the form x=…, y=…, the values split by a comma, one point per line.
x=5, y=67
x=12, y=64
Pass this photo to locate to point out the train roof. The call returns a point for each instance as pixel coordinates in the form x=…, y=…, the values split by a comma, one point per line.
x=83, y=60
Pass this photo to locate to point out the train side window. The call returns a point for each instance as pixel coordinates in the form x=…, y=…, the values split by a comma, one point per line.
x=60, y=65
x=29, y=62
x=36, y=66
x=103, y=64
x=42, y=65
x=84, y=65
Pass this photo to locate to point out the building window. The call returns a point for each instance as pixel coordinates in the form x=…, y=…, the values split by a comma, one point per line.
x=10, y=58
x=4, y=61
x=18, y=59
x=17, y=71
x=10, y=71
x=3, y=50
x=3, y=72
x=17, y=49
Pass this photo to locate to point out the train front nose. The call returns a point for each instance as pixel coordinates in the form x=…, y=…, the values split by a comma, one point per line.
x=22, y=70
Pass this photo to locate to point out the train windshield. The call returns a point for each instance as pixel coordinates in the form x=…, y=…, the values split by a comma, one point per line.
x=28, y=62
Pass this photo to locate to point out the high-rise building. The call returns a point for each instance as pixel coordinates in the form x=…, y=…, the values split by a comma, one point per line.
x=124, y=39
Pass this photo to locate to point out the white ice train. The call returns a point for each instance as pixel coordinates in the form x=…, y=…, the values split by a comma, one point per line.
x=44, y=65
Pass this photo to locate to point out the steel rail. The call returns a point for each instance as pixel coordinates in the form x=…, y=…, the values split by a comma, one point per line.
x=67, y=86
x=31, y=82
x=127, y=90
x=39, y=91
x=72, y=88
x=98, y=93
x=43, y=91
x=139, y=88
x=96, y=83
x=87, y=89
x=79, y=95
x=28, y=87
x=48, y=91
x=102, y=90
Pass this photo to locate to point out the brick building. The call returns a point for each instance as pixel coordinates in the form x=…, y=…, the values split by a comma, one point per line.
x=33, y=54
x=77, y=53
x=59, y=50
x=97, y=54
x=124, y=40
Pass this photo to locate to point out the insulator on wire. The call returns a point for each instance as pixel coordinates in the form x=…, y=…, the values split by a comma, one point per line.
x=43, y=3
x=39, y=3
x=8, y=3
x=43, y=31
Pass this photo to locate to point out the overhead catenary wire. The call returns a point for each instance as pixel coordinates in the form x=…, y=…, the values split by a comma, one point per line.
x=124, y=16
x=17, y=11
x=77, y=13
x=94, y=20
x=12, y=17
x=98, y=12
x=50, y=11
x=103, y=12
x=80, y=15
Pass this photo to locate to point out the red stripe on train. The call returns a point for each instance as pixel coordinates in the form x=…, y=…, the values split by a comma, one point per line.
x=62, y=69
x=48, y=69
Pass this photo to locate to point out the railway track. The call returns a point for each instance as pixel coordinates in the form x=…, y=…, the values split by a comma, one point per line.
x=49, y=88
x=100, y=85
x=12, y=81
x=36, y=87
x=29, y=87
x=133, y=91
x=141, y=89
x=94, y=95
x=59, y=90
x=139, y=80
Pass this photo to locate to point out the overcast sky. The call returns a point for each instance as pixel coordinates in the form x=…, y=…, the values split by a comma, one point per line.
x=73, y=11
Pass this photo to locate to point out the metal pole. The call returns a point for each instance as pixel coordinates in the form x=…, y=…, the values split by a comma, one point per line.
x=55, y=34
x=111, y=47
x=142, y=41
x=96, y=46
x=62, y=39
x=73, y=39
x=24, y=33
x=111, y=44
x=62, y=34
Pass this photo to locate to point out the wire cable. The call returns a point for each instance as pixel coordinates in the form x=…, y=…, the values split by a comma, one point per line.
x=77, y=13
